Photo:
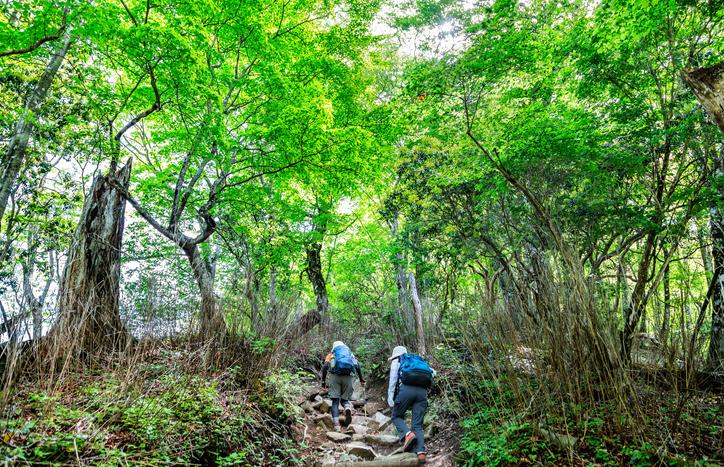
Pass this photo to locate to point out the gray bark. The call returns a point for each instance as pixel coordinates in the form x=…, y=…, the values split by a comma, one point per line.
x=212, y=322
x=35, y=304
x=667, y=306
x=716, y=345
x=707, y=85
x=24, y=127
x=273, y=292
x=704, y=249
x=417, y=307
x=316, y=277
x=405, y=312
x=314, y=264
x=89, y=320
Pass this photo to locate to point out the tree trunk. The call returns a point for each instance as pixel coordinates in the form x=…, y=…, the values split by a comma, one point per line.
x=250, y=291
x=212, y=327
x=316, y=277
x=89, y=321
x=400, y=261
x=634, y=309
x=716, y=345
x=704, y=250
x=708, y=87
x=417, y=306
x=667, y=307
x=17, y=148
x=273, y=293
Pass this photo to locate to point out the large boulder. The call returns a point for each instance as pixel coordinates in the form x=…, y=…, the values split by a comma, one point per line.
x=362, y=450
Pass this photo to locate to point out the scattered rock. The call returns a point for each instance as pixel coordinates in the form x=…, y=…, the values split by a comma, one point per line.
x=307, y=407
x=362, y=450
x=356, y=429
x=325, y=406
x=563, y=441
x=311, y=392
x=337, y=436
x=430, y=430
x=326, y=419
x=382, y=440
x=359, y=420
x=357, y=437
x=390, y=430
x=372, y=408
x=344, y=457
x=382, y=420
x=358, y=403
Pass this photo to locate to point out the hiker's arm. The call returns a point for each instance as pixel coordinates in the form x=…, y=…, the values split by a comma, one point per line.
x=359, y=373
x=394, y=369
x=325, y=368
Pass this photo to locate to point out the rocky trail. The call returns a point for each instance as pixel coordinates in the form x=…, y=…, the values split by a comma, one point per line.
x=369, y=440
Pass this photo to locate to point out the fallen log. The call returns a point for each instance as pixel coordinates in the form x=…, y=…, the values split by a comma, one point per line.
x=399, y=460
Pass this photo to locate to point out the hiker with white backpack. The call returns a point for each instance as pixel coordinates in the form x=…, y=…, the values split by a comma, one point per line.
x=410, y=380
x=341, y=365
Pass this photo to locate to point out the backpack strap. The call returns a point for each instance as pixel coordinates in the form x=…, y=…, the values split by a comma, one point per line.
x=399, y=381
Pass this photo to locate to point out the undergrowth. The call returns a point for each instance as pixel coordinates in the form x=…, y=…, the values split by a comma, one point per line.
x=501, y=431
x=164, y=414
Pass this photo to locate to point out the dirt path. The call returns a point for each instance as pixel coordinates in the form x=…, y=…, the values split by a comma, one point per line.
x=369, y=440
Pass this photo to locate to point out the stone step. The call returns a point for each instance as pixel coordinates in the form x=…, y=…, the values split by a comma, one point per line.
x=381, y=440
x=356, y=429
x=337, y=436
x=360, y=449
x=325, y=419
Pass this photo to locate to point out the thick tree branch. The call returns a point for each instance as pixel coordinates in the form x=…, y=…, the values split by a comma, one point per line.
x=37, y=44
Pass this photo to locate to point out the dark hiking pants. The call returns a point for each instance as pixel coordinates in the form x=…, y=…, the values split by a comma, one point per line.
x=415, y=398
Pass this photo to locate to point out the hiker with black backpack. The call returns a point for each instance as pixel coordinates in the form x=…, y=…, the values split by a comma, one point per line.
x=410, y=379
x=341, y=365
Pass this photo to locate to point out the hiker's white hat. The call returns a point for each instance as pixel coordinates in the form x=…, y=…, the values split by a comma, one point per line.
x=336, y=344
x=397, y=351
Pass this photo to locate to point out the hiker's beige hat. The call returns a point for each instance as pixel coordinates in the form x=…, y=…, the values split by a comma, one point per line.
x=397, y=351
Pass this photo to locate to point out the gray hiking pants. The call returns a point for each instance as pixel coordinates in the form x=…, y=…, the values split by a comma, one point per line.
x=340, y=390
x=415, y=397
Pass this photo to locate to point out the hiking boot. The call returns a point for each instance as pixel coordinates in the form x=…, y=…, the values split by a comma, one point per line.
x=408, y=440
x=337, y=426
x=421, y=458
x=347, y=415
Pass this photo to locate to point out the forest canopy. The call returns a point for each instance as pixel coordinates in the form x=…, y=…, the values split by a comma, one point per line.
x=466, y=178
